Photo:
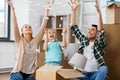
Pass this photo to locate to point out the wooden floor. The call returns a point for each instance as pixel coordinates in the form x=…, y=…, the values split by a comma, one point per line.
x=4, y=76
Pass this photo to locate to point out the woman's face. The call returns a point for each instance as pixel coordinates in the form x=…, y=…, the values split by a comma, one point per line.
x=27, y=29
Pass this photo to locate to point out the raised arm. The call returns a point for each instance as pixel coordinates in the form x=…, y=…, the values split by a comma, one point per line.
x=100, y=23
x=14, y=21
x=74, y=28
x=101, y=32
x=46, y=41
x=63, y=43
x=40, y=34
x=74, y=5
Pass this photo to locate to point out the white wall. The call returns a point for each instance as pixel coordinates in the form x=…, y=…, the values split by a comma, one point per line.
x=22, y=14
x=7, y=54
x=103, y=4
x=37, y=9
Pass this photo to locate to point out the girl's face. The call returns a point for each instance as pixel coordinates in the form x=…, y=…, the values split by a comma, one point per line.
x=51, y=34
x=27, y=29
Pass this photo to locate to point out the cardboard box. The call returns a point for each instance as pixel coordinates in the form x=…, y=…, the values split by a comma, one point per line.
x=113, y=11
x=112, y=53
x=56, y=73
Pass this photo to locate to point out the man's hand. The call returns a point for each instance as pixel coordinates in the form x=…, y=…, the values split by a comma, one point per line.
x=97, y=6
x=100, y=23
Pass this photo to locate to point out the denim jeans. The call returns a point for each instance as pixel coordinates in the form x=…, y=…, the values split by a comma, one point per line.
x=101, y=74
x=20, y=76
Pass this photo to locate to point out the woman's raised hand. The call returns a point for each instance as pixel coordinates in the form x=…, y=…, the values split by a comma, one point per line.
x=50, y=3
x=9, y=3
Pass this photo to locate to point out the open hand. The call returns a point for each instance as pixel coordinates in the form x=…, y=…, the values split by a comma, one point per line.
x=50, y=3
x=74, y=4
x=97, y=6
x=9, y=3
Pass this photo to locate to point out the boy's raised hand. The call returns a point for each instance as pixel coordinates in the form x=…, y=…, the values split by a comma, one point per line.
x=74, y=4
x=97, y=6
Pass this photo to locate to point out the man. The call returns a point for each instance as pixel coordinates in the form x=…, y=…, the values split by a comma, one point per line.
x=92, y=46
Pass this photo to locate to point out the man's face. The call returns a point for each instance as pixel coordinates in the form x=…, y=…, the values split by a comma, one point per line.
x=92, y=33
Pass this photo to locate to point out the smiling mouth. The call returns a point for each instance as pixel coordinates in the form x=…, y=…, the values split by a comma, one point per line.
x=51, y=36
x=28, y=30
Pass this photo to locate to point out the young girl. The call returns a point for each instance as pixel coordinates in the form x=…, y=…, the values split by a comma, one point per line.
x=52, y=47
x=26, y=45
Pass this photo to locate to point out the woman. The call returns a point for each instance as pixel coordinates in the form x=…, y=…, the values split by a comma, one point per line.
x=26, y=45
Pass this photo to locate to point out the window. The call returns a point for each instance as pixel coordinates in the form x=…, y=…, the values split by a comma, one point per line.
x=4, y=21
x=113, y=0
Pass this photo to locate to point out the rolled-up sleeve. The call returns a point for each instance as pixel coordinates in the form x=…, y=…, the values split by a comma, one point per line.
x=81, y=37
x=101, y=38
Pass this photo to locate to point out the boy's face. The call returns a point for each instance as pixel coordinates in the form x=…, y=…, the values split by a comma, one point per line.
x=51, y=34
x=92, y=33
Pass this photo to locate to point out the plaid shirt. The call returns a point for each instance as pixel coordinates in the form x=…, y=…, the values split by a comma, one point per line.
x=99, y=44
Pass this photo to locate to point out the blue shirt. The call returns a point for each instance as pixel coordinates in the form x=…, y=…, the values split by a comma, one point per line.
x=53, y=53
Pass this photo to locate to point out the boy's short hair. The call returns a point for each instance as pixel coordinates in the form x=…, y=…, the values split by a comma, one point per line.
x=94, y=25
